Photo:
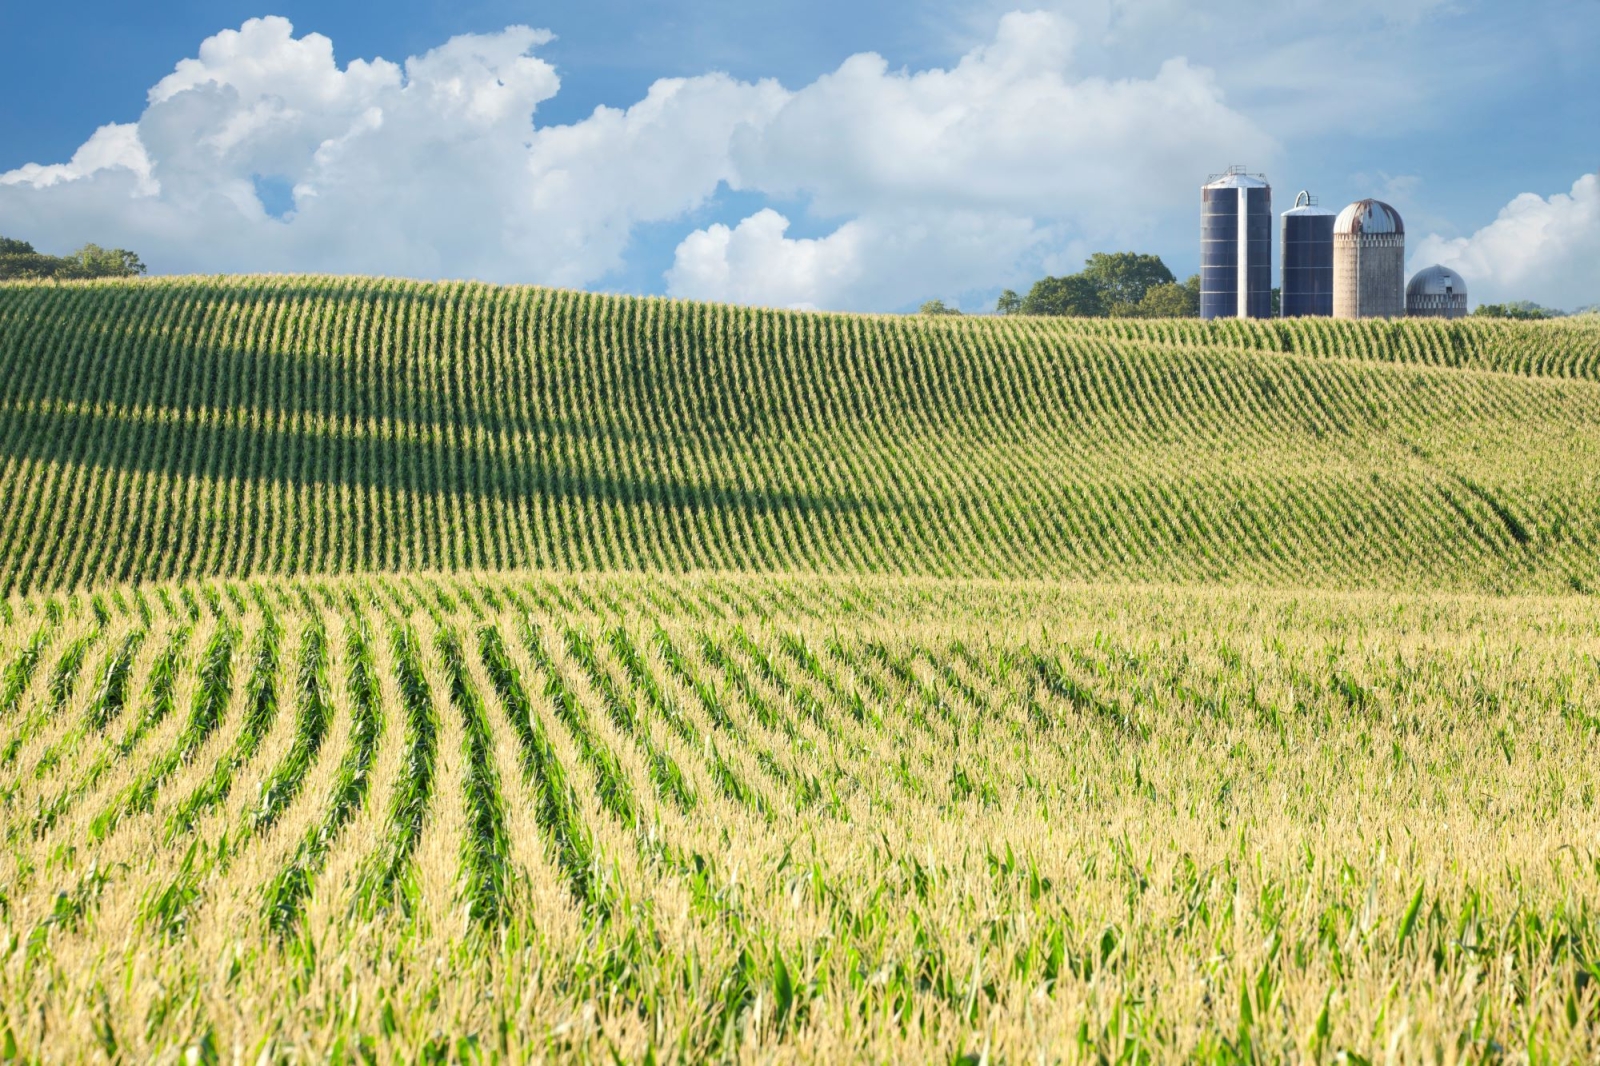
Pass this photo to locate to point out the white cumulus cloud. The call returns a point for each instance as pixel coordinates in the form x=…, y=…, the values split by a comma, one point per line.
x=1544, y=249
x=880, y=260
x=431, y=168
x=750, y=262
x=932, y=182
x=1010, y=126
x=953, y=180
x=113, y=147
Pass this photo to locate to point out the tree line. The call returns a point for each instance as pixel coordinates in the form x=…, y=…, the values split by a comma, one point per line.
x=1527, y=311
x=1131, y=285
x=1111, y=285
x=19, y=260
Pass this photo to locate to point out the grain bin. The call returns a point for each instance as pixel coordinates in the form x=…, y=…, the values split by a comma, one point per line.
x=1437, y=292
x=1236, y=246
x=1369, y=261
x=1307, y=259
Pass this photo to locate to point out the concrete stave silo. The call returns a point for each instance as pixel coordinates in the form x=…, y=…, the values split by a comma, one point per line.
x=1437, y=292
x=1307, y=259
x=1369, y=262
x=1236, y=246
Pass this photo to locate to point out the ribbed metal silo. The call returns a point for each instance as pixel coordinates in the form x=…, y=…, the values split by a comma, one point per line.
x=1236, y=246
x=1437, y=292
x=1307, y=260
x=1369, y=262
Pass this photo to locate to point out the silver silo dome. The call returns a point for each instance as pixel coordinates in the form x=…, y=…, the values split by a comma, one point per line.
x=1369, y=217
x=1236, y=246
x=1369, y=261
x=1307, y=259
x=1437, y=292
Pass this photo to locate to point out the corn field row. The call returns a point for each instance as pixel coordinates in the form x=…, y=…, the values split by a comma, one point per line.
x=193, y=428
x=1563, y=348
x=702, y=818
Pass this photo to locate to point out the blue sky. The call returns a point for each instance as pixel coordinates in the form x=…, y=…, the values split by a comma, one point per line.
x=861, y=156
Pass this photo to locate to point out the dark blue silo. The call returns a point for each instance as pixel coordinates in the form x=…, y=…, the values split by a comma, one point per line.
x=1307, y=260
x=1236, y=246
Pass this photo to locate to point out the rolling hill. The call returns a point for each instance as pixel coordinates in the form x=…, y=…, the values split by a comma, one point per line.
x=236, y=427
x=433, y=673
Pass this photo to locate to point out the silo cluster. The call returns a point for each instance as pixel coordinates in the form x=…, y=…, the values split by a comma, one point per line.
x=1349, y=265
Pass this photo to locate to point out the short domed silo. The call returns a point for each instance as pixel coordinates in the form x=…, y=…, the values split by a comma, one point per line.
x=1369, y=262
x=1437, y=292
x=1307, y=259
x=1236, y=246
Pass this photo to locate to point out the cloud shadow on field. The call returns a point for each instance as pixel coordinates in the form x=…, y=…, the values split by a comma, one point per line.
x=306, y=457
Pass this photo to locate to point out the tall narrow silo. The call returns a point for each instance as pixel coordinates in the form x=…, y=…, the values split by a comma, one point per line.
x=1307, y=259
x=1369, y=262
x=1236, y=246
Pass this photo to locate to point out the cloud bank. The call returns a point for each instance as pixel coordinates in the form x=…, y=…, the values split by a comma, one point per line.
x=881, y=186
x=1543, y=249
x=949, y=179
x=941, y=180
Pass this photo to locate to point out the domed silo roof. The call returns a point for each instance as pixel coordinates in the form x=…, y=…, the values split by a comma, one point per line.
x=1368, y=217
x=1437, y=292
x=1437, y=281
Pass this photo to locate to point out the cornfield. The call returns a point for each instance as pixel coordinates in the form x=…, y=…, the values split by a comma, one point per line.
x=195, y=428
x=700, y=818
x=408, y=672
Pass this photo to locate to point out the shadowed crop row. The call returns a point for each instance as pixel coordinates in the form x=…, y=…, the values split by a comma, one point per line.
x=190, y=428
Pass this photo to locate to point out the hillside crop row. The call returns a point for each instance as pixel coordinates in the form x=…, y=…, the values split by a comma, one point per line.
x=189, y=428
x=836, y=819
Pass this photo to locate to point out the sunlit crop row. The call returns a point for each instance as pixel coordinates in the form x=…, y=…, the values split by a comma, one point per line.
x=235, y=427
x=837, y=819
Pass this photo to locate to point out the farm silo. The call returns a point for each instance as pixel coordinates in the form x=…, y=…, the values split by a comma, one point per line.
x=1236, y=246
x=1369, y=262
x=1307, y=259
x=1437, y=292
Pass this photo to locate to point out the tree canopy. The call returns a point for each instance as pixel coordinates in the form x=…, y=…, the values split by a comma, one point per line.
x=1074, y=295
x=19, y=259
x=1120, y=285
x=1518, y=309
x=1124, y=278
x=1171, y=300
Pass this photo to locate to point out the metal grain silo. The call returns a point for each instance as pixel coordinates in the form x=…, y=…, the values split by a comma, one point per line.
x=1437, y=292
x=1236, y=246
x=1307, y=259
x=1369, y=262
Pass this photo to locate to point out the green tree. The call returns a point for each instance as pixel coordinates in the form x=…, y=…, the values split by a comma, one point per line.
x=1124, y=278
x=1074, y=295
x=1170, y=301
x=19, y=259
x=1009, y=303
x=1525, y=310
x=939, y=307
x=93, y=261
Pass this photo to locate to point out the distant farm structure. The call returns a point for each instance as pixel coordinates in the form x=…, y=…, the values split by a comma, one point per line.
x=1347, y=265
